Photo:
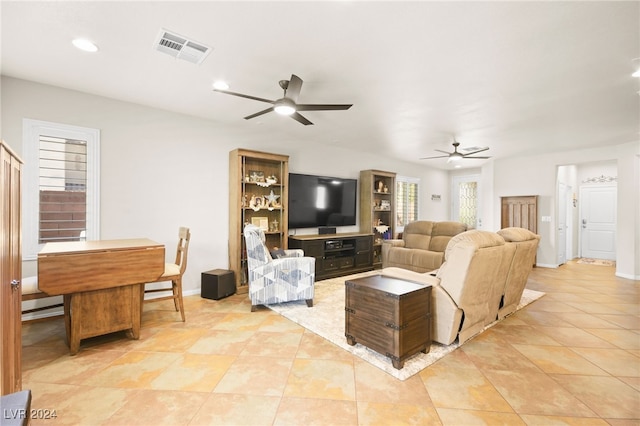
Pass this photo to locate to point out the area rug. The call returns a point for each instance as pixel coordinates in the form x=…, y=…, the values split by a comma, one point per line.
x=600, y=262
x=326, y=318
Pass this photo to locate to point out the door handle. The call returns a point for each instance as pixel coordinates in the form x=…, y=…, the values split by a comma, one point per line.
x=15, y=285
x=584, y=223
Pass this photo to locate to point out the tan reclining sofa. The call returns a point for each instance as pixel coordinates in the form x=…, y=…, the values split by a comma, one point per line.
x=482, y=279
x=422, y=246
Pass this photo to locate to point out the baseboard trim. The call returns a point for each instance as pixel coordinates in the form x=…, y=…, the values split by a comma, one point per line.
x=628, y=277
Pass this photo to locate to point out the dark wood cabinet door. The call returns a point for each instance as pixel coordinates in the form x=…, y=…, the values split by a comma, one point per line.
x=520, y=211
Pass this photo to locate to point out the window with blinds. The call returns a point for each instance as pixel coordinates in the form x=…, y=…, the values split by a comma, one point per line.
x=62, y=186
x=407, y=190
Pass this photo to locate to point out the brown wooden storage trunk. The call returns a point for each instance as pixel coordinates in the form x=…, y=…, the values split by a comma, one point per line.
x=388, y=315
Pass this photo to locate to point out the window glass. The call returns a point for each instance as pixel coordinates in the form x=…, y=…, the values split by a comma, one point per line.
x=407, y=190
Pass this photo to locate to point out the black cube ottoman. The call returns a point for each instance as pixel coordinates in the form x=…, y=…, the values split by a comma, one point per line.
x=217, y=283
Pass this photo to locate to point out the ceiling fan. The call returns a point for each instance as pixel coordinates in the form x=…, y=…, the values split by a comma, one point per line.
x=456, y=156
x=287, y=104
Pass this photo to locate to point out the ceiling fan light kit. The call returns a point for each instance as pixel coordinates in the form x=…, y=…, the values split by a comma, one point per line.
x=284, y=107
x=287, y=105
x=455, y=156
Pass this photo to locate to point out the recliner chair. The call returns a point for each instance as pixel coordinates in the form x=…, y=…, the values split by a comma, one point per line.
x=278, y=280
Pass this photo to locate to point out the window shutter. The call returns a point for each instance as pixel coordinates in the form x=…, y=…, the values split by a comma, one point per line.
x=407, y=201
x=63, y=189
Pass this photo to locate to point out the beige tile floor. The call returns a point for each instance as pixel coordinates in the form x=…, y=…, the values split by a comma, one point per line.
x=572, y=357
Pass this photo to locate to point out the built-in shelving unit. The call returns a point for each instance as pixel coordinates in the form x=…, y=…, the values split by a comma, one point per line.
x=377, y=208
x=258, y=195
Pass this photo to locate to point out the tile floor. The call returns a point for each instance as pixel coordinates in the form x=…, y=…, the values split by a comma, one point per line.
x=573, y=357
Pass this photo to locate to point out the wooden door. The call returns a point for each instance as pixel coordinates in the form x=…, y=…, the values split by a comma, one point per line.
x=520, y=211
x=10, y=273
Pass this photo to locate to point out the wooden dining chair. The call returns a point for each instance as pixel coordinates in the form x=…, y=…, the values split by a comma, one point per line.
x=173, y=272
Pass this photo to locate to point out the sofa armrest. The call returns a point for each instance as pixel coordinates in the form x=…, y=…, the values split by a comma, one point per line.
x=407, y=275
x=294, y=253
x=393, y=243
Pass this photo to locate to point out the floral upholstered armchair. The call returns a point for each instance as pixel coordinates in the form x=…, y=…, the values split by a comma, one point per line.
x=283, y=279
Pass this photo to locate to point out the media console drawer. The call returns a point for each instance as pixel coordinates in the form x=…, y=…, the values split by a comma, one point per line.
x=331, y=264
x=388, y=315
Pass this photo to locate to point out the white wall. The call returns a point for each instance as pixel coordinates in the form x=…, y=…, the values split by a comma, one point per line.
x=161, y=170
x=536, y=175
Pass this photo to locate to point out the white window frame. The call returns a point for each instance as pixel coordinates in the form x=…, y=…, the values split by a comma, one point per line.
x=31, y=131
x=407, y=179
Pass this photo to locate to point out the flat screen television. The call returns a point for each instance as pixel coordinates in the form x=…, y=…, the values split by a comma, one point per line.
x=318, y=201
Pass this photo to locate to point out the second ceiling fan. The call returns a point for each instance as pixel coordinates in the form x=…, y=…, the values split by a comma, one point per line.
x=456, y=155
x=287, y=105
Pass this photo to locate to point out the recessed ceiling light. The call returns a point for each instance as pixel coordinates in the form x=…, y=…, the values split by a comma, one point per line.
x=221, y=85
x=84, y=44
x=636, y=74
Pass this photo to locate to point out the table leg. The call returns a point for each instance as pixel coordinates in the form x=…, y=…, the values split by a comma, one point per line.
x=137, y=293
x=67, y=316
x=76, y=321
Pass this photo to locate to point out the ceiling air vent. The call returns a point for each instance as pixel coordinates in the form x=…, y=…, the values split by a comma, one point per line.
x=181, y=47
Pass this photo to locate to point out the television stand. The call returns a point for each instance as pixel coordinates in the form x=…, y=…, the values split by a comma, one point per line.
x=336, y=254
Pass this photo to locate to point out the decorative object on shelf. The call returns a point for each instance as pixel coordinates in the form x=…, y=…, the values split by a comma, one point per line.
x=380, y=186
x=260, y=222
x=272, y=199
x=274, y=226
x=255, y=203
x=385, y=189
x=272, y=179
x=385, y=205
x=256, y=176
x=381, y=229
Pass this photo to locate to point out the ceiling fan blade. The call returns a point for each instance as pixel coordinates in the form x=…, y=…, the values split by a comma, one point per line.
x=475, y=158
x=293, y=89
x=249, y=117
x=322, y=107
x=444, y=152
x=299, y=118
x=429, y=158
x=475, y=152
x=244, y=96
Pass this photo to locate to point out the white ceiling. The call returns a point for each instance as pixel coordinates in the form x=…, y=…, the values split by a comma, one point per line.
x=517, y=77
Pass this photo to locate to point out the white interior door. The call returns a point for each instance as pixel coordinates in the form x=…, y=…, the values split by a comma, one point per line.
x=562, y=223
x=598, y=221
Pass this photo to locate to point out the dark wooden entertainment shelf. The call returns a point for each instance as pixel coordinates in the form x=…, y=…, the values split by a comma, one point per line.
x=336, y=254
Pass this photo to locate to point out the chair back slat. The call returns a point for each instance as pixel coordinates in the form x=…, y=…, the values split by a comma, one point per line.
x=184, y=236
